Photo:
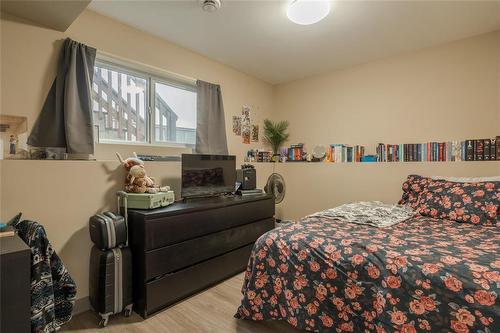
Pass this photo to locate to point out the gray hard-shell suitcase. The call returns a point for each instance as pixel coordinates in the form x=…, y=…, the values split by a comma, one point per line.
x=108, y=230
x=110, y=275
x=110, y=285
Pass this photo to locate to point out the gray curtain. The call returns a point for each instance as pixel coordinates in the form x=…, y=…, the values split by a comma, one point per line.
x=210, y=123
x=66, y=117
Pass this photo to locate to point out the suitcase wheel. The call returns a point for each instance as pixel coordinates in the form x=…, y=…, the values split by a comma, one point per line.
x=104, y=319
x=128, y=310
x=103, y=322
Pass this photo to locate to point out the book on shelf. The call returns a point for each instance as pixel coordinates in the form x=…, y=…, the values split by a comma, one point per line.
x=497, y=150
x=478, y=150
x=456, y=151
x=350, y=155
x=486, y=153
x=493, y=150
x=470, y=150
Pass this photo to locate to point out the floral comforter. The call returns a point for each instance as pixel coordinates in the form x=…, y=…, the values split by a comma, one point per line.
x=422, y=275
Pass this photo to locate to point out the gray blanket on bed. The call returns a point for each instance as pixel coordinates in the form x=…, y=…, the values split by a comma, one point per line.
x=373, y=213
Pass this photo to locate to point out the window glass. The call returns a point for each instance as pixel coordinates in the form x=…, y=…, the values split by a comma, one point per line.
x=121, y=102
x=175, y=114
x=119, y=105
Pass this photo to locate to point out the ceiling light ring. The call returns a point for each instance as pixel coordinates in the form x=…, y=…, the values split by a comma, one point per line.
x=307, y=12
x=210, y=5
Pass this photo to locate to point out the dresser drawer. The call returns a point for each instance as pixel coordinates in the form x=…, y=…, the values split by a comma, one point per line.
x=177, y=256
x=173, y=287
x=163, y=231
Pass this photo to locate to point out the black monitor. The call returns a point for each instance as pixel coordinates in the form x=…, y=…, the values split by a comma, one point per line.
x=207, y=175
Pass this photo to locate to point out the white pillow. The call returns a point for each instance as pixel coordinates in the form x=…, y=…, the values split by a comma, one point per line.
x=468, y=179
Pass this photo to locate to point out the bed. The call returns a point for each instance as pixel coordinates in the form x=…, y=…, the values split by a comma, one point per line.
x=426, y=274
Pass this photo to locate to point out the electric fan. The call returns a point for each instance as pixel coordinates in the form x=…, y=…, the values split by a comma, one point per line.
x=276, y=186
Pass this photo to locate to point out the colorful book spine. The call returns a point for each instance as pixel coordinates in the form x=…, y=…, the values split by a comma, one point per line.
x=349, y=154
x=469, y=155
x=493, y=150
x=497, y=141
x=478, y=150
x=486, y=154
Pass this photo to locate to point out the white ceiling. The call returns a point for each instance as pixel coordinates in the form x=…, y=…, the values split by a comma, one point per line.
x=256, y=37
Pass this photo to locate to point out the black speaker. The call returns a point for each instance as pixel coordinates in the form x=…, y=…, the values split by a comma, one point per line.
x=247, y=177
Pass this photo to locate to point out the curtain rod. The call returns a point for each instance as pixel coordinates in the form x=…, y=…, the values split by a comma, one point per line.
x=144, y=67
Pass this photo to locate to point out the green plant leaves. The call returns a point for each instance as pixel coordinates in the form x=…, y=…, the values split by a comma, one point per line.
x=275, y=133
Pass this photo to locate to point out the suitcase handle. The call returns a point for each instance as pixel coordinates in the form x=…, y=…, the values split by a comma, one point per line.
x=122, y=196
x=110, y=214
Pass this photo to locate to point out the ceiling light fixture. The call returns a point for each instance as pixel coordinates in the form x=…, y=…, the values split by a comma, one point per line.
x=305, y=12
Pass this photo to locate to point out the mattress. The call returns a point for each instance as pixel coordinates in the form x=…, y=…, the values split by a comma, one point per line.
x=421, y=275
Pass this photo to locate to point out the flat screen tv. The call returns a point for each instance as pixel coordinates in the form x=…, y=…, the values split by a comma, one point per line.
x=207, y=175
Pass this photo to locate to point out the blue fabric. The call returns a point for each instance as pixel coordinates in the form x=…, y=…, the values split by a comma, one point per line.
x=53, y=290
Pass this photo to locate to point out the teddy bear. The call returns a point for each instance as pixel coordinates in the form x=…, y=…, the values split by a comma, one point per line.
x=137, y=181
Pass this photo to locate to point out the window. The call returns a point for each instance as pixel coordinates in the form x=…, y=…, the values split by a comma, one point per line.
x=136, y=107
x=175, y=113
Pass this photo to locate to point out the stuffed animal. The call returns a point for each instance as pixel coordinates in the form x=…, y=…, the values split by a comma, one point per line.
x=129, y=162
x=137, y=181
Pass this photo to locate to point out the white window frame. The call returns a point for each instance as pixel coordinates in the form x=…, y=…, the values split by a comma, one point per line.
x=152, y=75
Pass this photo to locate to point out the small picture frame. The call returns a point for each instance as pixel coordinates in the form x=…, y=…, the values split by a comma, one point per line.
x=245, y=115
x=245, y=134
x=237, y=125
x=255, y=133
x=13, y=136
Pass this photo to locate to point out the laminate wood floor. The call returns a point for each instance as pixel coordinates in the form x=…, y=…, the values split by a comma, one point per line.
x=209, y=311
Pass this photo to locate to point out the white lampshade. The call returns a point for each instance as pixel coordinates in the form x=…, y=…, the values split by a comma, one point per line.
x=307, y=12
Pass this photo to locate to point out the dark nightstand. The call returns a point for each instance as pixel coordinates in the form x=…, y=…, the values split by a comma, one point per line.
x=15, y=285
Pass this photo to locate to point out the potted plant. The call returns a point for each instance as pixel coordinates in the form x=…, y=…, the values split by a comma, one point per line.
x=275, y=134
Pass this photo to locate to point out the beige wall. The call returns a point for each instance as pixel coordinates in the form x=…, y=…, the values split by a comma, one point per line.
x=440, y=93
x=29, y=55
x=455, y=85
x=62, y=195
x=447, y=92
x=317, y=186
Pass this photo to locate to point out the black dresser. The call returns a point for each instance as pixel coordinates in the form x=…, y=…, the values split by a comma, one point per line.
x=15, y=277
x=188, y=246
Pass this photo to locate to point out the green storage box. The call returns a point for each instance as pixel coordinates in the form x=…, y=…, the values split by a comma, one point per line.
x=150, y=201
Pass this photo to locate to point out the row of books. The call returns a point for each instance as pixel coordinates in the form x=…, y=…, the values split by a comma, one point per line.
x=259, y=155
x=340, y=153
x=483, y=150
x=264, y=156
x=415, y=152
x=467, y=150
